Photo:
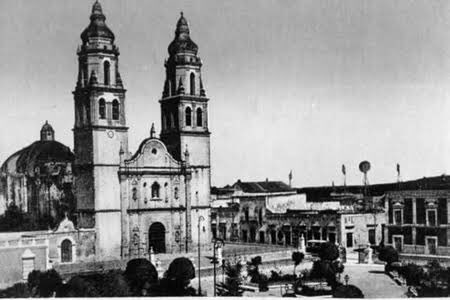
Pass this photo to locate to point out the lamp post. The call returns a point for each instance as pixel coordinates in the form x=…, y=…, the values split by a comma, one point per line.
x=200, y=219
x=216, y=241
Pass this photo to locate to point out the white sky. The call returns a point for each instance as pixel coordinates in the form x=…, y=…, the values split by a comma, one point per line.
x=301, y=85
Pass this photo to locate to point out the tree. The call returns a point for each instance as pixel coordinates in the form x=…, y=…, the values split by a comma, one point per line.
x=233, y=282
x=389, y=255
x=297, y=257
x=178, y=277
x=329, y=251
x=141, y=276
x=44, y=284
x=347, y=291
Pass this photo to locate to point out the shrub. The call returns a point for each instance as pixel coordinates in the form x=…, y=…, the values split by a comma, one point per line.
x=233, y=282
x=347, y=291
x=44, y=284
x=297, y=257
x=115, y=285
x=78, y=287
x=413, y=274
x=19, y=290
x=263, y=283
x=141, y=275
x=388, y=254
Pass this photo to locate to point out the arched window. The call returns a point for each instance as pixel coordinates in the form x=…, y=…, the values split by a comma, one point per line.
x=102, y=108
x=192, y=84
x=106, y=72
x=188, y=117
x=155, y=190
x=199, y=117
x=175, y=193
x=134, y=194
x=66, y=251
x=168, y=121
x=115, y=110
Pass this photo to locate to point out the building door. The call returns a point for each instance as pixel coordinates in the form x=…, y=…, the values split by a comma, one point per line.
x=66, y=251
x=244, y=235
x=262, y=237
x=273, y=236
x=349, y=239
x=157, y=238
x=252, y=234
x=431, y=245
x=223, y=231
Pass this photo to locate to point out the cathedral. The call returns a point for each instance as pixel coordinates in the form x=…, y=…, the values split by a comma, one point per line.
x=156, y=198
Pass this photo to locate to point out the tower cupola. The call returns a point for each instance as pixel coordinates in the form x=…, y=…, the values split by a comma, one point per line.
x=182, y=41
x=97, y=28
x=47, y=132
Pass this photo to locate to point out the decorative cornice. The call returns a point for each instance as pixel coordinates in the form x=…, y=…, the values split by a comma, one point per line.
x=98, y=88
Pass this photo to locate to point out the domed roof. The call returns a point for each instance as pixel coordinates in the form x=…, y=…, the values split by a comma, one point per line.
x=37, y=154
x=182, y=41
x=40, y=153
x=97, y=27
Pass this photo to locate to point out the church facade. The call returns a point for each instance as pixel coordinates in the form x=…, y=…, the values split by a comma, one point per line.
x=156, y=198
x=159, y=197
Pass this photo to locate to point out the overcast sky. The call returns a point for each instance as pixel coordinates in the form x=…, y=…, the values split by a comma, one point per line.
x=301, y=85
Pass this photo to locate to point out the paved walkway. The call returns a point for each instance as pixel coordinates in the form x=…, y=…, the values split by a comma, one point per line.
x=373, y=282
x=369, y=278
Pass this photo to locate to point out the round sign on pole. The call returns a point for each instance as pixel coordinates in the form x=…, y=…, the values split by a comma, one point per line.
x=364, y=166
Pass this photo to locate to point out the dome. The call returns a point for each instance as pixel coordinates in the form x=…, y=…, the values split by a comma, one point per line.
x=97, y=27
x=41, y=152
x=182, y=41
x=36, y=155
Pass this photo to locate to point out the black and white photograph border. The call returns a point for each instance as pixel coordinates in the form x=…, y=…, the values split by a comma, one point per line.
x=225, y=148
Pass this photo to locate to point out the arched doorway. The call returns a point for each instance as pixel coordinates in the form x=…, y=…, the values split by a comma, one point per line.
x=157, y=238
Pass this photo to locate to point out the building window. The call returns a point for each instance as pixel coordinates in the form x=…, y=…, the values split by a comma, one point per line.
x=66, y=251
x=431, y=217
x=199, y=117
x=155, y=190
x=397, y=241
x=431, y=245
x=192, y=84
x=372, y=236
x=115, y=110
x=398, y=216
x=188, y=116
x=106, y=72
x=134, y=194
x=102, y=108
x=175, y=193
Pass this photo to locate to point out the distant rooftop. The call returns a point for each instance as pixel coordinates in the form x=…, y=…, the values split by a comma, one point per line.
x=262, y=186
x=431, y=183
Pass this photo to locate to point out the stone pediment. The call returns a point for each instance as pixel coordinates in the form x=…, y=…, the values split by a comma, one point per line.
x=65, y=225
x=152, y=153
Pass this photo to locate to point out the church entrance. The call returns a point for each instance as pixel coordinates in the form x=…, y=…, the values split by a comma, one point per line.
x=157, y=238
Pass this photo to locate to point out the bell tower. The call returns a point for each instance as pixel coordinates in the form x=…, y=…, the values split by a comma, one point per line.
x=100, y=133
x=184, y=119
